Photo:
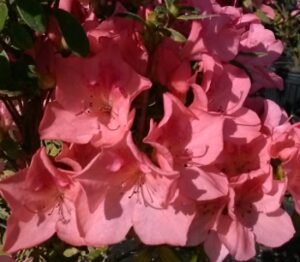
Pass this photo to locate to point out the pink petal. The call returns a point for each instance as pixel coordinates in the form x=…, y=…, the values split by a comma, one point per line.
x=168, y=225
x=238, y=239
x=203, y=184
x=215, y=250
x=60, y=124
x=274, y=229
x=29, y=230
x=109, y=222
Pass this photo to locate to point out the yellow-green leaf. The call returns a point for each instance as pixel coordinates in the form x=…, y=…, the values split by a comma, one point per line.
x=3, y=14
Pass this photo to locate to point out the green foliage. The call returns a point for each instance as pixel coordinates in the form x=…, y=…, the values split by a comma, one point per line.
x=168, y=254
x=53, y=147
x=10, y=148
x=32, y=13
x=70, y=252
x=74, y=35
x=3, y=14
x=263, y=17
x=278, y=172
x=253, y=54
x=175, y=35
x=132, y=16
x=3, y=210
x=54, y=250
x=194, y=17
x=20, y=36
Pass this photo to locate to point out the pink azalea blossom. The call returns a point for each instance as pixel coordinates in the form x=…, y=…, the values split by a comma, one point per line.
x=215, y=165
x=124, y=189
x=226, y=86
x=284, y=148
x=193, y=151
x=217, y=36
x=77, y=8
x=194, y=144
x=170, y=69
x=42, y=202
x=125, y=33
x=252, y=158
x=7, y=259
x=105, y=86
x=265, y=49
x=250, y=216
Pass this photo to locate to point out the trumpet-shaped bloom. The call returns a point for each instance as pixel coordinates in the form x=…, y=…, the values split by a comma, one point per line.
x=104, y=86
x=124, y=189
x=251, y=216
x=42, y=202
x=198, y=144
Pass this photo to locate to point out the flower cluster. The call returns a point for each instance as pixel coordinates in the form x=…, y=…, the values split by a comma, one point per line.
x=160, y=135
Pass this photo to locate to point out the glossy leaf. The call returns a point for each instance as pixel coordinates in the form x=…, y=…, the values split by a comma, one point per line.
x=32, y=13
x=73, y=33
x=20, y=36
x=175, y=35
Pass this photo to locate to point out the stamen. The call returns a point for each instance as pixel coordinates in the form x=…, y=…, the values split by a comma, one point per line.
x=61, y=211
x=189, y=157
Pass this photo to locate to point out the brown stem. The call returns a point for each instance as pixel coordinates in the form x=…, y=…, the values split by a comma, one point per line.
x=143, y=116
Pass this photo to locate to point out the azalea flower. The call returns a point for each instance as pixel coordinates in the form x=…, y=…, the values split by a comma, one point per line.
x=43, y=196
x=100, y=111
x=125, y=189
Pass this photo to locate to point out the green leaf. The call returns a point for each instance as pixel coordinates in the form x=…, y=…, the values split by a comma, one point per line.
x=169, y=3
x=263, y=17
x=70, y=252
x=143, y=255
x=175, y=35
x=5, y=76
x=53, y=147
x=194, y=258
x=190, y=9
x=278, y=171
x=172, y=7
x=195, y=17
x=167, y=254
x=6, y=174
x=248, y=4
x=132, y=16
x=74, y=35
x=96, y=252
x=296, y=223
x=20, y=36
x=2, y=253
x=254, y=54
x=3, y=213
x=10, y=148
x=32, y=13
x=3, y=14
